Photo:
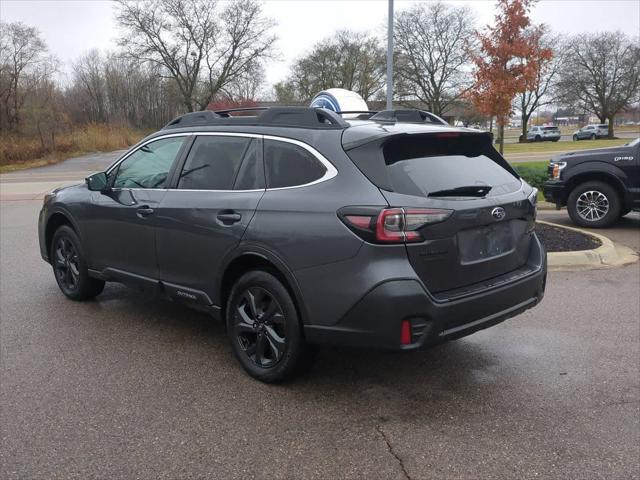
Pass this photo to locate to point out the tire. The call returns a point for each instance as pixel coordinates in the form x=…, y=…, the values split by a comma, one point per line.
x=575, y=138
x=266, y=337
x=594, y=199
x=556, y=139
x=593, y=136
x=538, y=138
x=70, y=266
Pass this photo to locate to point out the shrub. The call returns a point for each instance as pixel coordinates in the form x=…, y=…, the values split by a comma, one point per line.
x=533, y=175
x=20, y=148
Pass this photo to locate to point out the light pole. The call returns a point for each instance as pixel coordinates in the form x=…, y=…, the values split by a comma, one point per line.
x=390, y=58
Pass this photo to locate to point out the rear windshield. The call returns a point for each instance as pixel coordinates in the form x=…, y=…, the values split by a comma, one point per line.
x=550, y=128
x=424, y=164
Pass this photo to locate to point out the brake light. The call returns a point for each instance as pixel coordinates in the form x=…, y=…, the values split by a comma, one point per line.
x=391, y=225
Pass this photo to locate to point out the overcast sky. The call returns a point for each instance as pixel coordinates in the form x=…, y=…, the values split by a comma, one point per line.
x=70, y=27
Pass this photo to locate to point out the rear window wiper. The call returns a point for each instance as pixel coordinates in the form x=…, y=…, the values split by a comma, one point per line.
x=466, y=191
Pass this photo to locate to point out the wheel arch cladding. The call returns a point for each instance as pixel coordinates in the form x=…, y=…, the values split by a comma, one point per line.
x=55, y=221
x=249, y=261
x=605, y=177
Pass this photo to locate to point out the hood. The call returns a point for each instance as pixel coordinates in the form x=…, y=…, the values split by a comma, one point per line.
x=586, y=155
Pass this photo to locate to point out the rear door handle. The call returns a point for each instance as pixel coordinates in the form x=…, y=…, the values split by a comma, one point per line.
x=144, y=212
x=229, y=218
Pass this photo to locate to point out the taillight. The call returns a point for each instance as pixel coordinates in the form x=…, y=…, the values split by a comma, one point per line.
x=391, y=225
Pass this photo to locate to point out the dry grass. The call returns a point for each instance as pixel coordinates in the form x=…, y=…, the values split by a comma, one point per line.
x=19, y=151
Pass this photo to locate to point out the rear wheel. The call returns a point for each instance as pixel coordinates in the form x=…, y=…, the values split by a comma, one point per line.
x=593, y=136
x=594, y=204
x=264, y=328
x=70, y=266
x=538, y=138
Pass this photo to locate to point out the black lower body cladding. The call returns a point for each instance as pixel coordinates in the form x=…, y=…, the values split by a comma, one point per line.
x=376, y=320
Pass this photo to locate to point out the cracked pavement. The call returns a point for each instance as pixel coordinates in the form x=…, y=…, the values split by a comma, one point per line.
x=131, y=386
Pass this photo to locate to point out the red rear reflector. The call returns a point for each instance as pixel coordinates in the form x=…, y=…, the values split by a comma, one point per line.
x=405, y=333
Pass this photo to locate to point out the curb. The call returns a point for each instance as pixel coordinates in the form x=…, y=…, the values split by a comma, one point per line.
x=606, y=255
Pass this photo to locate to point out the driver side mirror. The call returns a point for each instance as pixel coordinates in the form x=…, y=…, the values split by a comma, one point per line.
x=97, y=182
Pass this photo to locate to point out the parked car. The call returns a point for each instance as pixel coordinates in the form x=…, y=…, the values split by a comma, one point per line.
x=541, y=134
x=299, y=228
x=591, y=132
x=597, y=186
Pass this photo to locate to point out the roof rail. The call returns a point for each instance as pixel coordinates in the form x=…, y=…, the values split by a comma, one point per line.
x=297, y=117
x=407, y=116
x=362, y=114
x=226, y=112
x=190, y=119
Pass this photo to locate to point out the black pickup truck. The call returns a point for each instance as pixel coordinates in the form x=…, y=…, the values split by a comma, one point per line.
x=597, y=186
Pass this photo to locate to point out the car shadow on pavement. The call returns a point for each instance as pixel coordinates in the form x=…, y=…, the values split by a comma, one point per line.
x=439, y=372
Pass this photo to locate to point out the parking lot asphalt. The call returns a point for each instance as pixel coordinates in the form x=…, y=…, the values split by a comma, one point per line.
x=132, y=386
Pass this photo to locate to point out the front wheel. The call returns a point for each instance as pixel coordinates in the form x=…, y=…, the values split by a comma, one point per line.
x=70, y=266
x=264, y=328
x=593, y=136
x=594, y=204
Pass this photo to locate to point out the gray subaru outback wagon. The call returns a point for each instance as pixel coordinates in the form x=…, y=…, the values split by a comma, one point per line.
x=300, y=228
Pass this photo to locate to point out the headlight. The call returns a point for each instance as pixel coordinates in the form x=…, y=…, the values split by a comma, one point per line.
x=557, y=168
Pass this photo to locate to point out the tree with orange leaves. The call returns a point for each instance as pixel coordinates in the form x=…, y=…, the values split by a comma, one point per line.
x=508, y=61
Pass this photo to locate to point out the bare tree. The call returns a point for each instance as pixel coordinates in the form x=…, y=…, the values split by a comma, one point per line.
x=432, y=49
x=203, y=46
x=24, y=63
x=348, y=60
x=89, y=74
x=602, y=73
x=112, y=88
x=542, y=90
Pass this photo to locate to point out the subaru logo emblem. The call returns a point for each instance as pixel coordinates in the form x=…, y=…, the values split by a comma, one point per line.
x=498, y=213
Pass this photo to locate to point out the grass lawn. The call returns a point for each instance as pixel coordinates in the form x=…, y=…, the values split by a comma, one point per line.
x=531, y=165
x=562, y=146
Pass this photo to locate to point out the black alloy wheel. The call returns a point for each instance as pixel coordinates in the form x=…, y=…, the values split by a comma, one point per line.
x=264, y=328
x=260, y=327
x=70, y=266
x=65, y=263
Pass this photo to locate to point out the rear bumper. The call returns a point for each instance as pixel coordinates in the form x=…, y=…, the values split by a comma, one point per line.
x=375, y=321
x=555, y=192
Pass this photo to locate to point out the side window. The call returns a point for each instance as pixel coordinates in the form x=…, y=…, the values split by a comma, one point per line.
x=251, y=174
x=214, y=162
x=288, y=165
x=148, y=167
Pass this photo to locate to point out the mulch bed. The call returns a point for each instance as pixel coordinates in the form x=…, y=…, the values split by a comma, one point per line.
x=557, y=239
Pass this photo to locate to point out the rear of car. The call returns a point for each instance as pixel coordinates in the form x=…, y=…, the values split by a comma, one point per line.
x=454, y=249
x=551, y=133
x=602, y=130
x=540, y=134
